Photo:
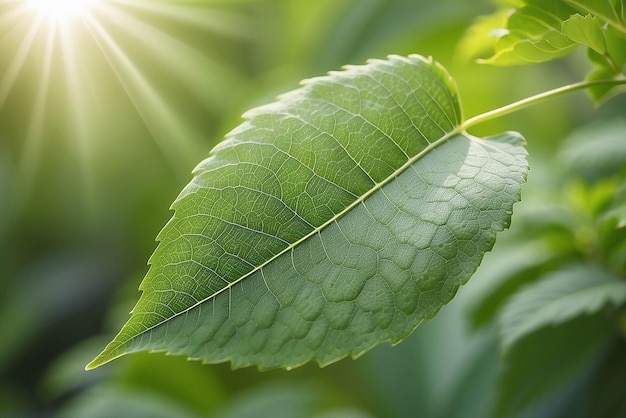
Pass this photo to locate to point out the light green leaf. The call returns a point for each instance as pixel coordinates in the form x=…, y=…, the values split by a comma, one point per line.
x=609, y=65
x=338, y=217
x=612, y=11
x=533, y=34
x=586, y=30
x=538, y=31
x=560, y=297
x=481, y=37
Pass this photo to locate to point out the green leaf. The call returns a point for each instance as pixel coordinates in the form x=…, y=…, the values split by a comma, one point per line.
x=612, y=11
x=338, y=217
x=560, y=297
x=586, y=30
x=538, y=31
x=533, y=34
x=482, y=35
x=609, y=65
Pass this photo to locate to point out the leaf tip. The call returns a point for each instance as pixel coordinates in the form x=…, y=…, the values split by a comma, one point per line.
x=94, y=364
x=107, y=355
x=98, y=361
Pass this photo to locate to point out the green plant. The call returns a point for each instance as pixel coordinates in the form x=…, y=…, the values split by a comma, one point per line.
x=352, y=209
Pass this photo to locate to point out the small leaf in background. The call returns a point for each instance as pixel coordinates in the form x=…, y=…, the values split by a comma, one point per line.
x=587, y=31
x=611, y=11
x=533, y=34
x=339, y=217
x=560, y=297
x=537, y=31
x=480, y=39
x=608, y=66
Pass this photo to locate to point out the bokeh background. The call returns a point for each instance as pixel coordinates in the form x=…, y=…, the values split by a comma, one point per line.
x=103, y=115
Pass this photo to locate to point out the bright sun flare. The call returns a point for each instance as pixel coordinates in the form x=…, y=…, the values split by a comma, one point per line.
x=58, y=56
x=58, y=10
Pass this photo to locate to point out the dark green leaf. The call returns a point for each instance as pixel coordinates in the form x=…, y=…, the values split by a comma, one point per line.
x=339, y=217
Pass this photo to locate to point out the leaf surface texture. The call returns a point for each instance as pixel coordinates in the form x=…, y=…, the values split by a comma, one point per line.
x=338, y=217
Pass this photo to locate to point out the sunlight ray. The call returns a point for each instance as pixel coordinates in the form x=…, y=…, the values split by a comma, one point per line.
x=17, y=62
x=33, y=144
x=161, y=120
x=13, y=15
x=214, y=19
x=200, y=74
x=79, y=126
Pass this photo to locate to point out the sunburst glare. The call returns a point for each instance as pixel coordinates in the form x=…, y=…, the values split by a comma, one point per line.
x=60, y=10
x=84, y=73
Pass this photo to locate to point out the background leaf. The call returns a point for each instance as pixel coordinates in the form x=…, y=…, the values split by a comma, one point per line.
x=533, y=34
x=610, y=10
x=339, y=217
x=560, y=297
x=585, y=30
x=509, y=267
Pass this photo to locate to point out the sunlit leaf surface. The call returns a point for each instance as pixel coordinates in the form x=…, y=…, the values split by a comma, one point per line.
x=336, y=218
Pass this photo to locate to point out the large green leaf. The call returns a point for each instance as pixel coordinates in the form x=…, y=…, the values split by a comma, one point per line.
x=336, y=218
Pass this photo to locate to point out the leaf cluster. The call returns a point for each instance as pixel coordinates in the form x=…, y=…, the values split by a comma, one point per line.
x=535, y=31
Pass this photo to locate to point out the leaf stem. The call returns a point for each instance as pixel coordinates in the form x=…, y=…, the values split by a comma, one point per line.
x=532, y=100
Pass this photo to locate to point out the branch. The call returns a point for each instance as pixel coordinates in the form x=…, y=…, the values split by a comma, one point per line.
x=529, y=101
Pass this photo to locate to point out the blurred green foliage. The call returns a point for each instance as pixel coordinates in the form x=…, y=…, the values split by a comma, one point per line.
x=97, y=139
